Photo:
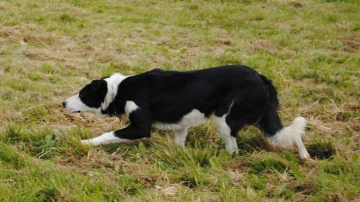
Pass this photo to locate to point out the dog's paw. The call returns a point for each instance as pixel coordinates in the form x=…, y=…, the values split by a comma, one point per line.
x=86, y=142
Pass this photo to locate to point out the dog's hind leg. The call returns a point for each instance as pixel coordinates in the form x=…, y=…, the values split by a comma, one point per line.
x=225, y=133
x=239, y=108
x=180, y=136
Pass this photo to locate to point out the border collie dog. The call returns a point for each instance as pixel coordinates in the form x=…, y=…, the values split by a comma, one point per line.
x=236, y=95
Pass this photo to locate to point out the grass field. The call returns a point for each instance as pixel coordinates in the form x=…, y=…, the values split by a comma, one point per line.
x=50, y=49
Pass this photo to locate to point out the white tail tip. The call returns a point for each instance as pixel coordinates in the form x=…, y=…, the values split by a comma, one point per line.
x=299, y=125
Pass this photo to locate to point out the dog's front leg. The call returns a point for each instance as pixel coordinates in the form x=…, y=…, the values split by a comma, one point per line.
x=124, y=135
x=106, y=138
x=139, y=128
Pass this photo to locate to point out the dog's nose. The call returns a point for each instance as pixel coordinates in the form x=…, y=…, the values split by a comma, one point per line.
x=64, y=104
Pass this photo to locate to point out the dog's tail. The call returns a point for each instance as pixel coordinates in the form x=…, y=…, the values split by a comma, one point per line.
x=271, y=125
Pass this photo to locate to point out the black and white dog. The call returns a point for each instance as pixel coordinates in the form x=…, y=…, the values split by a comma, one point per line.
x=236, y=95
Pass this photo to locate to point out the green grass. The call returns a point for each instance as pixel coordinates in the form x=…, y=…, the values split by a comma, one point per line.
x=50, y=49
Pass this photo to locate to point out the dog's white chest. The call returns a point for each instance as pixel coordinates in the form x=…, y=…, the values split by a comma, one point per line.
x=194, y=118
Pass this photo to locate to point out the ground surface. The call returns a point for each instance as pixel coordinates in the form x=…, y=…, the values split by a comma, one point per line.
x=49, y=49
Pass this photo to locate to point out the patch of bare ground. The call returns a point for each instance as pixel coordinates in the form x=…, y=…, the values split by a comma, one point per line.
x=296, y=4
x=268, y=47
x=264, y=45
x=8, y=35
x=350, y=44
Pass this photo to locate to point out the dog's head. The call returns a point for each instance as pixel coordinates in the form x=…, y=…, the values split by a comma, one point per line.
x=89, y=99
x=96, y=96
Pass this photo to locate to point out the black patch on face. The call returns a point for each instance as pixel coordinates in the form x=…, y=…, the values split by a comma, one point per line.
x=94, y=93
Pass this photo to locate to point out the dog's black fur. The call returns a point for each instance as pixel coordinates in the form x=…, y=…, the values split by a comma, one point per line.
x=237, y=95
x=166, y=96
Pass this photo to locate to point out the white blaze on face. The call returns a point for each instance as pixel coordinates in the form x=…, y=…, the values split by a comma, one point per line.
x=74, y=104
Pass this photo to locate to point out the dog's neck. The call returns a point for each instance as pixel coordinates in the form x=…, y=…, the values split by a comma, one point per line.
x=113, y=83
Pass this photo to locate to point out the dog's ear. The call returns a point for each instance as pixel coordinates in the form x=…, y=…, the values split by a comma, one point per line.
x=96, y=84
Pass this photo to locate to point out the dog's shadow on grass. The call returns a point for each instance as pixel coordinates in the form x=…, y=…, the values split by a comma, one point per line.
x=321, y=149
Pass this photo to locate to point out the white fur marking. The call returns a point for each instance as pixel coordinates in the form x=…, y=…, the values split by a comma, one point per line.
x=194, y=118
x=291, y=135
x=180, y=136
x=74, y=104
x=130, y=106
x=106, y=138
x=113, y=83
x=225, y=133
